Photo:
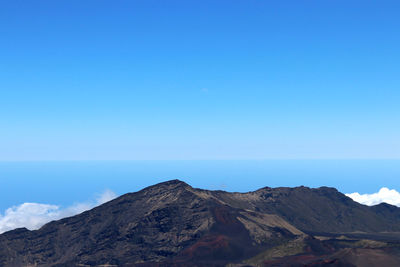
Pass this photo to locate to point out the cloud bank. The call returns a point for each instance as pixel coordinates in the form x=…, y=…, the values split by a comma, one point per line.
x=384, y=195
x=35, y=215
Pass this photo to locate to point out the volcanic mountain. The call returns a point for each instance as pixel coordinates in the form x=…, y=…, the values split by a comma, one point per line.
x=173, y=224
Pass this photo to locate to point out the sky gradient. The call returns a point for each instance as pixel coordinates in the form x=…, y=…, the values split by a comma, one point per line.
x=121, y=80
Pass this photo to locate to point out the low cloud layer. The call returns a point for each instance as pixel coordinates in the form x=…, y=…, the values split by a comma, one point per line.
x=384, y=195
x=35, y=215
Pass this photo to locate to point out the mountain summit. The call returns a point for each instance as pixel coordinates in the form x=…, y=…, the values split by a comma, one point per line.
x=174, y=224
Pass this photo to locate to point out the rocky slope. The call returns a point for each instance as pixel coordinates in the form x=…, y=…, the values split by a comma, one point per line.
x=173, y=224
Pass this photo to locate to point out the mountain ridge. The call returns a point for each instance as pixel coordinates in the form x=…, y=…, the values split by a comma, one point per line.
x=174, y=224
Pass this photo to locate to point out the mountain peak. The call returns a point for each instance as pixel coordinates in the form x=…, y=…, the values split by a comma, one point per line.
x=173, y=182
x=168, y=185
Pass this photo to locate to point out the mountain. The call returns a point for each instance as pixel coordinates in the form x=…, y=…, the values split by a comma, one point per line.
x=173, y=224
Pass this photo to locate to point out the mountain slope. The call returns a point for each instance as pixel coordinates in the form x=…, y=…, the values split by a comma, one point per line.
x=317, y=210
x=173, y=224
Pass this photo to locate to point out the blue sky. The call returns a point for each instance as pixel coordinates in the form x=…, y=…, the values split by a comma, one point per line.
x=99, y=80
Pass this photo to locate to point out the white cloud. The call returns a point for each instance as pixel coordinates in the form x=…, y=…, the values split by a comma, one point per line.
x=35, y=215
x=384, y=195
x=105, y=197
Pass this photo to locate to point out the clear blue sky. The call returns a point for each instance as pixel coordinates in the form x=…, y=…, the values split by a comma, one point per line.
x=83, y=80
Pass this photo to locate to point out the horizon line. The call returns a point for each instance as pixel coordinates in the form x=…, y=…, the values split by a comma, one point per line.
x=266, y=159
